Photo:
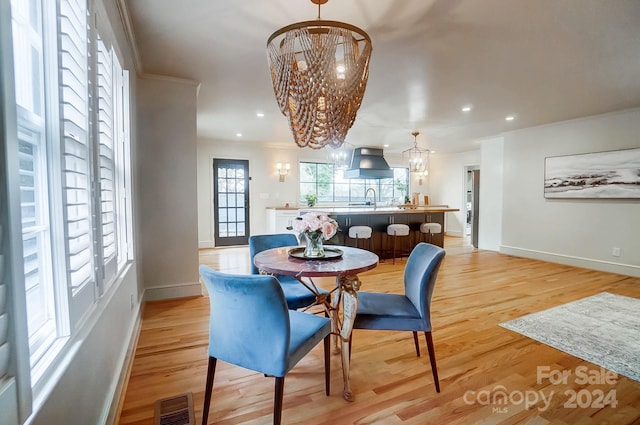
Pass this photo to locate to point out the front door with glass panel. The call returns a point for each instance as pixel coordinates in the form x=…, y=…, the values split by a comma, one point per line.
x=231, y=201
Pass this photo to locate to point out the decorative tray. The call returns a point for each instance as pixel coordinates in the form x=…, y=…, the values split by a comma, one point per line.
x=329, y=254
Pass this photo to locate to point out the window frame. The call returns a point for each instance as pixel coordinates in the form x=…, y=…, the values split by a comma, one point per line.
x=68, y=319
x=356, y=187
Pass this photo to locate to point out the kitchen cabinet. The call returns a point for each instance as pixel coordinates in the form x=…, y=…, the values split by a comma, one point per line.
x=347, y=221
x=433, y=217
x=278, y=219
x=379, y=223
x=378, y=219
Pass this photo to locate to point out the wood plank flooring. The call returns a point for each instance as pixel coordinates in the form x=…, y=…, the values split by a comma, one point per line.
x=476, y=290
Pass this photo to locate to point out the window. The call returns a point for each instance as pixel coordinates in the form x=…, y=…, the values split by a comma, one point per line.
x=76, y=150
x=111, y=139
x=330, y=186
x=28, y=62
x=72, y=117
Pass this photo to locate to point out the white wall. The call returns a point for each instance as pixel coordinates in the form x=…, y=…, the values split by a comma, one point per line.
x=491, y=182
x=579, y=232
x=167, y=187
x=447, y=186
x=264, y=187
x=86, y=383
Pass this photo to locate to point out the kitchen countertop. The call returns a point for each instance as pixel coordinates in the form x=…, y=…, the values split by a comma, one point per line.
x=284, y=208
x=380, y=210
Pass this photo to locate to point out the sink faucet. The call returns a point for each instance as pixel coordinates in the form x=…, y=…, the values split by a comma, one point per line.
x=374, y=196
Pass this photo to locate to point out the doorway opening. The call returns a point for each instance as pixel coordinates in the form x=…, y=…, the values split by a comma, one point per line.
x=472, y=202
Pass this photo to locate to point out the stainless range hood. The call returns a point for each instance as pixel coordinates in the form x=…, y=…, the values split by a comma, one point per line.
x=368, y=163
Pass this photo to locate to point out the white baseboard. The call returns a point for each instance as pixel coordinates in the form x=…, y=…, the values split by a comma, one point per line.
x=587, y=263
x=117, y=401
x=455, y=233
x=183, y=290
x=206, y=244
x=150, y=294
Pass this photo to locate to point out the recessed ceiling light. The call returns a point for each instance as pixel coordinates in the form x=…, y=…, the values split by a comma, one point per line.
x=510, y=118
x=386, y=145
x=467, y=108
x=238, y=134
x=260, y=114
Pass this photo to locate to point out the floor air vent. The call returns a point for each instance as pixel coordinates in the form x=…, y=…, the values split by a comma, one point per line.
x=177, y=410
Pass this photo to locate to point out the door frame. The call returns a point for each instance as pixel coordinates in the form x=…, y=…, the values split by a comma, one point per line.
x=235, y=240
x=468, y=168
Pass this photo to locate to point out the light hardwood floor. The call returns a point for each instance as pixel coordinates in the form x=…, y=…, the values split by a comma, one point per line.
x=476, y=290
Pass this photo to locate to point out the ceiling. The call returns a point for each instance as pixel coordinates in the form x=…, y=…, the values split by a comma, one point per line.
x=542, y=61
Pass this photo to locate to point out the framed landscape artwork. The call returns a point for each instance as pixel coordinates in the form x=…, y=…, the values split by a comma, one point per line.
x=612, y=174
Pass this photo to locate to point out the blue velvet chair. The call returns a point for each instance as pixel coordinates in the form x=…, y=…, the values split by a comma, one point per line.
x=252, y=327
x=296, y=294
x=409, y=312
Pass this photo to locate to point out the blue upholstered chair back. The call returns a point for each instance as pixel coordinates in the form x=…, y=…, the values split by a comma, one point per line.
x=259, y=243
x=249, y=324
x=420, y=275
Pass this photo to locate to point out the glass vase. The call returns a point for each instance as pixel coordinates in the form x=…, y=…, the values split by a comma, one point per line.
x=315, y=247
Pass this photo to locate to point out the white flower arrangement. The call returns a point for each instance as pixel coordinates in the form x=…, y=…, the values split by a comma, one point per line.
x=312, y=224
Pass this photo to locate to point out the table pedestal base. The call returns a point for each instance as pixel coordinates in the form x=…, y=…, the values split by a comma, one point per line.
x=345, y=270
x=347, y=287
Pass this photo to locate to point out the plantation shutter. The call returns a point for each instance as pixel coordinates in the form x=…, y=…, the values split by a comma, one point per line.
x=106, y=135
x=8, y=390
x=74, y=95
x=8, y=395
x=13, y=346
x=121, y=102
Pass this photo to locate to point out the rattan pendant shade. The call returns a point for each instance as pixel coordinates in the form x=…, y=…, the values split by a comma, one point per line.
x=319, y=71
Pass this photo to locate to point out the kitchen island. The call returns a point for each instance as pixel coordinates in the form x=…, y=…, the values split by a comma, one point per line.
x=378, y=218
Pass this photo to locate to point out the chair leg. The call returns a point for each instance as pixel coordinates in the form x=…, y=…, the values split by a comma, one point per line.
x=327, y=364
x=211, y=370
x=408, y=245
x=415, y=341
x=394, y=248
x=277, y=403
x=432, y=358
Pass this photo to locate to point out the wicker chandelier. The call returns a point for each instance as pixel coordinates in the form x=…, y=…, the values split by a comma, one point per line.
x=418, y=157
x=319, y=71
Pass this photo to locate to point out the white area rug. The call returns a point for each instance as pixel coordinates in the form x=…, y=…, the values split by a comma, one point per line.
x=603, y=329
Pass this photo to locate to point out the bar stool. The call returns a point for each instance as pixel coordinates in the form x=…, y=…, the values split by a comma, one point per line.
x=361, y=232
x=396, y=230
x=429, y=229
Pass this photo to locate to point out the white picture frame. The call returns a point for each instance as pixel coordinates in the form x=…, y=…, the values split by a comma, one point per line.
x=610, y=174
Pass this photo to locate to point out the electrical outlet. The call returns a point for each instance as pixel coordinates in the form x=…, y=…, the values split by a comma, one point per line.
x=615, y=252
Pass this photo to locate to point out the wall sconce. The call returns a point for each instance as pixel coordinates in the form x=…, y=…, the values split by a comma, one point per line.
x=421, y=176
x=283, y=170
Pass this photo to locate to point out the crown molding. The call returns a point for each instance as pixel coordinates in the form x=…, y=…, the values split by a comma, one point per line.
x=167, y=78
x=125, y=17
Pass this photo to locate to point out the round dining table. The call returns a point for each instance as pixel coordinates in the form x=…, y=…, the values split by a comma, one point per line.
x=342, y=262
